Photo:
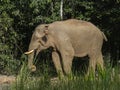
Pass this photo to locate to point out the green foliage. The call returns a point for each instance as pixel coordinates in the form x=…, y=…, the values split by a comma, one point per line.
x=9, y=65
x=8, y=39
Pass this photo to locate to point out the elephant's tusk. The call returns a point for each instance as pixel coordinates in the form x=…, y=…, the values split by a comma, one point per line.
x=29, y=52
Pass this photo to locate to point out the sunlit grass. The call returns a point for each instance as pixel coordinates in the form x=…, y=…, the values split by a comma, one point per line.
x=104, y=80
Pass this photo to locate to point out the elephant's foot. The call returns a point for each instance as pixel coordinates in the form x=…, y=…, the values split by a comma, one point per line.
x=33, y=68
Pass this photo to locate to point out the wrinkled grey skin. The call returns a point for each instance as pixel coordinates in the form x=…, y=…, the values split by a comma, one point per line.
x=71, y=38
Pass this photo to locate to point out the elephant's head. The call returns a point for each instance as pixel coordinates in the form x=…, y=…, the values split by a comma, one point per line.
x=40, y=40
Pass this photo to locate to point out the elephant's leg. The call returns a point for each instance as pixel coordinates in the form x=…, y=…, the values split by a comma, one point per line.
x=67, y=58
x=92, y=64
x=57, y=63
x=67, y=52
x=67, y=63
x=100, y=62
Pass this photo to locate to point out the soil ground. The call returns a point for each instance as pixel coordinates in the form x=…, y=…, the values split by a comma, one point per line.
x=5, y=82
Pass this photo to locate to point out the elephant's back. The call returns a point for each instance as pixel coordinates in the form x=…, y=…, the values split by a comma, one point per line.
x=76, y=28
x=72, y=26
x=71, y=22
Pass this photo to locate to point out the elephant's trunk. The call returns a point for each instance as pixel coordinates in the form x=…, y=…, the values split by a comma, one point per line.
x=32, y=47
x=30, y=60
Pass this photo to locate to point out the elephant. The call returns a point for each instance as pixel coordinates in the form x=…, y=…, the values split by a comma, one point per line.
x=68, y=38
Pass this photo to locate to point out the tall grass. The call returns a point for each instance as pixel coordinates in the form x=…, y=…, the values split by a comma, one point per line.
x=106, y=80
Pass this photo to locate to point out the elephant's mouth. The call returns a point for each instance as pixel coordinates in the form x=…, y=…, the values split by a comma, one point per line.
x=31, y=51
x=42, y=43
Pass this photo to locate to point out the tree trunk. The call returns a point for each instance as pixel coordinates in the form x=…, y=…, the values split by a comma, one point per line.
x=61, y=10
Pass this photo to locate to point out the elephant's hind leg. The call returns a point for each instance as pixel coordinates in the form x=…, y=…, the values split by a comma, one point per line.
x=100, y=62
x=92, y=63
x=96, y=59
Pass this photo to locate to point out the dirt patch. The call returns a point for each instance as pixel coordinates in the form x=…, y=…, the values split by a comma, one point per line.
x=7, y=79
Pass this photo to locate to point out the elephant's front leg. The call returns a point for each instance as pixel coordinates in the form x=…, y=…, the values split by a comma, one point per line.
x=57, y=63
x=67, y=58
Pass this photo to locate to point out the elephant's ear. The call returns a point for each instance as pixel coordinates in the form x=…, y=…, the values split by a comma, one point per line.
x=46, y=30
x=45, y=38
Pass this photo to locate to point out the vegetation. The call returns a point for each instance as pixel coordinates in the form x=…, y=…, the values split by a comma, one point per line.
x=106, y=81
x=18, y=20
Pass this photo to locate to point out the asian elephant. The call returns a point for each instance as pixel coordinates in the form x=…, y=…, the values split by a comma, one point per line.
x=68, y=38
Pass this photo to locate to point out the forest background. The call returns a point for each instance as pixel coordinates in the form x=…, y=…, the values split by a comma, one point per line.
x=18, y=18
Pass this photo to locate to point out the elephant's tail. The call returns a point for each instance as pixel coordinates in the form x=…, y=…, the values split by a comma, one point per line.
x=105, y=38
